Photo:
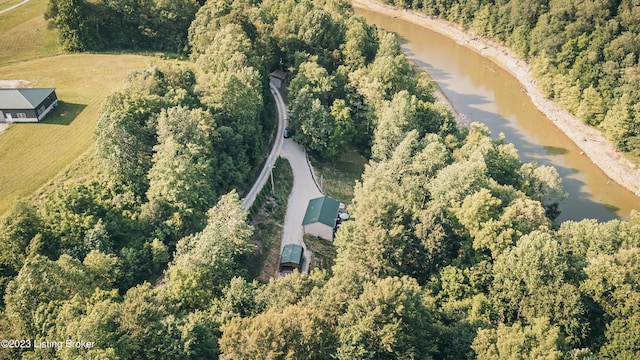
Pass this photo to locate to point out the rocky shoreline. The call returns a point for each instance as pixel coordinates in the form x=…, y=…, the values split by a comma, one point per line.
x=590, y=140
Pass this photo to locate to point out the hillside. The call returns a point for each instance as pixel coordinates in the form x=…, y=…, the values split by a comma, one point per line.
x=450, y=251
x=24, y=34
x=32, y=154
x=583, y=55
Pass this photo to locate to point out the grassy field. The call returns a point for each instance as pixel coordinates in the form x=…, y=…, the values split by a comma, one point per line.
x=32, y=154
x=338, y=177
x=6, y=3
x=24, y=34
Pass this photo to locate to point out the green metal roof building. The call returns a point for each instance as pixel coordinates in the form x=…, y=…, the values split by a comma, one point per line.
x=291, y=257
x=320, y=218
x=26, y=105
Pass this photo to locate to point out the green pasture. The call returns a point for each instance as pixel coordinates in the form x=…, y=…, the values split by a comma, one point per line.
x=24, y=34
x=31, y=154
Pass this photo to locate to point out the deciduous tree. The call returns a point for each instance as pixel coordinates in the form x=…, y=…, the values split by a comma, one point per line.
x=389, y=320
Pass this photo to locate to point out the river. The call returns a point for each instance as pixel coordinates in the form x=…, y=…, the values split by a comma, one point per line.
x=481, y=91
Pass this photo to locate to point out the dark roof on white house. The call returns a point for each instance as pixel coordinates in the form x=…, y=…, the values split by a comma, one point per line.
x=17, y=99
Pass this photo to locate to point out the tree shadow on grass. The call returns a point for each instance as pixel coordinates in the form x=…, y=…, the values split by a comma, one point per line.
x=64, y=113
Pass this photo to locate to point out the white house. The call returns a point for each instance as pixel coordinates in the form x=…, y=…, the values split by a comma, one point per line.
x=321, y=216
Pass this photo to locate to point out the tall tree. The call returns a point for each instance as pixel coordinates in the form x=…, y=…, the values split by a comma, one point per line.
x=529, y=282
x=537, y=340
x=180, y=185
x=205, y=263
x=70, y=17
x=17, y=227
x=389, y=320
x=311, y=121
x=295, y=332
x=27, y=301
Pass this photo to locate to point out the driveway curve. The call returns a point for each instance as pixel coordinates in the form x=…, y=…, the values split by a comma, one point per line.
x=304, y=185
x=281, y=108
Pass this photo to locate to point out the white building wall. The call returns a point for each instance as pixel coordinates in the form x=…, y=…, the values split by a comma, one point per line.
x=319, y=229
x=47, y=110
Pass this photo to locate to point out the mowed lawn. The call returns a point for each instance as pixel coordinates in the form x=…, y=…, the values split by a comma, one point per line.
x=31, y=154
x=6, y=3
x=24, y=34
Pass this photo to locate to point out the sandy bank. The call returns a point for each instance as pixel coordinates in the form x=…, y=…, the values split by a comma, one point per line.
x=591, y=141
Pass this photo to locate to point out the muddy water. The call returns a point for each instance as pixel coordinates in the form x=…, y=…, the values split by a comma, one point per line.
x=481, y=91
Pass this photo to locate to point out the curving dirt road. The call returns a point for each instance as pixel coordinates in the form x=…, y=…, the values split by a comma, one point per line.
x=13, y=7
x=275, y=151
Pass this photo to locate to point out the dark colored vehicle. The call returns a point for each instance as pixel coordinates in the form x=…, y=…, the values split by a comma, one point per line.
x=287, y=134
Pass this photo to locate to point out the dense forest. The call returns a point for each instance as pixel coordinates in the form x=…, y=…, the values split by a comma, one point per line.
x=451, y=251
x=585, y=55
x=96, y=25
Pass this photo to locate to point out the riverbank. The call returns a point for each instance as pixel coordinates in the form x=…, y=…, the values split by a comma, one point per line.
x=591, y=141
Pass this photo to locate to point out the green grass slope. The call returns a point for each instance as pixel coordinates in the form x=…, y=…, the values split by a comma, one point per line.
x=7, y=3
x=24, y=34
x=31, y=154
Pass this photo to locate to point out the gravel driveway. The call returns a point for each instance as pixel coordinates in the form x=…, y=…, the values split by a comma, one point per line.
x=275, y=151
x=304, y=186
x=304, y=189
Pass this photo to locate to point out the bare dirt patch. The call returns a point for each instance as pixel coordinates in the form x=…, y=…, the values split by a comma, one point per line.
x=9, y=84
x=590, y=140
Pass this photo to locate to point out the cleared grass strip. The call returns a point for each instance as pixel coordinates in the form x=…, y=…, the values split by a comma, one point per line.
x=338, y=176
x=267, y=217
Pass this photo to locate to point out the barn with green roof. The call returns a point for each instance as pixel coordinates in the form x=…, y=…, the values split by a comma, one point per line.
x=321, y=216
x=26, y=105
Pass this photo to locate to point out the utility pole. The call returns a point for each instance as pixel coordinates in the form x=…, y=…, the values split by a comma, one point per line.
x=273, y=190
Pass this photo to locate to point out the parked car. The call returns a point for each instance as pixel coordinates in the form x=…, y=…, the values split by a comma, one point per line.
x=287, y=134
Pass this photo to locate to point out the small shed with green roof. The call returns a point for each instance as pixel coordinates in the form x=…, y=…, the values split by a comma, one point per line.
x=320, y=218
x=291, y=257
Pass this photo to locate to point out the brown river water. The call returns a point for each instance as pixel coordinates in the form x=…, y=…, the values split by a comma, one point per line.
x=481, y=91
